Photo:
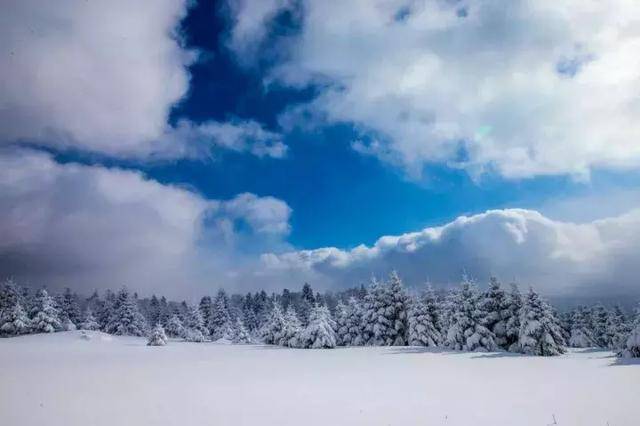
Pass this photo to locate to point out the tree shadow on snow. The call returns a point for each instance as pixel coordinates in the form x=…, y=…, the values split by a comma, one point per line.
x=617, y=361
x=400, y=350
x=489, y=355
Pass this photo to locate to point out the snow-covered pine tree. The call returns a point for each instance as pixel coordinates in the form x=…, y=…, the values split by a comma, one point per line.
x=69, y=310
x=262, y=306
x=240, y=333
x=105, y=311
x=157, y=336
x=632, y=343
x=195, y=330
x=495, y=304
x=353, y=335
x=580, y=334
x=307, y=301
x=248, y=314
x=342, y=329
x=467, y=330
x=220, y=318
x=174, y=327
x=206, y=311
x=378, y=315
x=617, y=329
x=512, y=322
x=14, y=320
x=45, y=318
x=273, y=329
x=320, y=332
x=89, y=322
x=399, y=311
x=153, y=310
x=599, y=317
x=292, y=329
x=10, y=294
x=539, y=330
x=422, y=330
x=126, y=319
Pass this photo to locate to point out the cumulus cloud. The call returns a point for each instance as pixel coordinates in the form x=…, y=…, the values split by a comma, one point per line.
x=103, y=76
x=559, y=258
x=92, y=227
x=522, y=87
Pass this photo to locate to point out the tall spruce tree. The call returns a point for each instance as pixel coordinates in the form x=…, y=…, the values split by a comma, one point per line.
x=539, y=329
x=45, y=317
x=320, y=332
x=195, y=329
x=422, y=330
x=220, y=317
x=399, y=315
x=580, y=334
x=89, y=322
x=292, y=329
x=272, y=331
x=174, y=327
x=495, y=304
x=126, y=319
x=467, y=330
x=14, y=320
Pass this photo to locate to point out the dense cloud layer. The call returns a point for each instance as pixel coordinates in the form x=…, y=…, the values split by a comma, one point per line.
x=524, y=87
x=93, y=227
x=559, y=258
x=103, y=76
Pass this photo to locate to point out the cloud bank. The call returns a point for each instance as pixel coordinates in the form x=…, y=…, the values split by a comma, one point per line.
x=559, y=258
x=103, y=77
x=522, y=87
x=92, y=227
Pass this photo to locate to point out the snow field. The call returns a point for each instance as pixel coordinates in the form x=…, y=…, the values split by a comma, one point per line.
x=61, y=379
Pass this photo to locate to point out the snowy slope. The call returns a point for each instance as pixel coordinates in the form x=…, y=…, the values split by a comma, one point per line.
x=60, y=379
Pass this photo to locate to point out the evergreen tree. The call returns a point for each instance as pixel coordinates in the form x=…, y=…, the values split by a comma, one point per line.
x=580, y=335
x=599, y=317
x=352, y=335
x=307, y=300
x=539, y=330
x=153, y=311
x=14, y=320
x=105, y=311
x=195, y=330
x=165, y=311
x=320, y=333
x=632, y=343
x=69, y=309
x=292, y=329
x=206, y=311
x=342, y=327
x=399, y=311
x=512, y=322
x=495, y=304
x=422, y=330
x=126, y=319
x=45, y=318
x=240, y=333
x=89, y=322
x=249, y=314
x=220, y=318
x=174, y=327
x=617, y=329
x=467, y=330
x=272, y=331
x=157, y=336
x=10, y=295
x=377, y=316
x=262, y=306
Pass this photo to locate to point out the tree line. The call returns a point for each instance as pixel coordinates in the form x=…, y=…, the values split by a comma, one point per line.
x=383, y=314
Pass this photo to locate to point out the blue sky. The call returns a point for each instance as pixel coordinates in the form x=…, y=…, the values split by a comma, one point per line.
x=263, y=143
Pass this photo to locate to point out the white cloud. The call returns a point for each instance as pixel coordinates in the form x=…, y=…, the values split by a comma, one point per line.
x=92, y=227
x=599, y=257
x=195, y=140
x=525, y=87
x=103, y=76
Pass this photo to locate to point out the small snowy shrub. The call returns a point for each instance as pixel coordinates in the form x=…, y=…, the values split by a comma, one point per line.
x=157, y=336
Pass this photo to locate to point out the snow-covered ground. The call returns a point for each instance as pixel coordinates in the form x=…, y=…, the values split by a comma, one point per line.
x=61, y=379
